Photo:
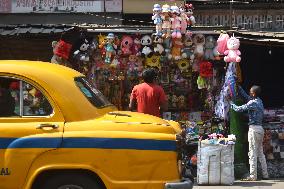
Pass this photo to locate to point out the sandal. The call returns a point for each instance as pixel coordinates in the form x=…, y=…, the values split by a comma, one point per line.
x=249, y=179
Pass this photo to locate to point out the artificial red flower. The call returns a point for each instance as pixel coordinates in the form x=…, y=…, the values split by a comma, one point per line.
x=206, y=69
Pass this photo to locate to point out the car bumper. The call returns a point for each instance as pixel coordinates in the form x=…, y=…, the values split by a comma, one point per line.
x=186, y=184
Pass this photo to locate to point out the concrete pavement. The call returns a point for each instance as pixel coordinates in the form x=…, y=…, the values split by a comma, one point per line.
x=271, y=184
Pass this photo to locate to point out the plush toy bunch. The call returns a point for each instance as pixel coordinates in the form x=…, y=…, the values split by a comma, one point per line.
x=173, y=18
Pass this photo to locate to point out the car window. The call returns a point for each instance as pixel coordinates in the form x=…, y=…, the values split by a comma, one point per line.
x=19, y=98
x=91, y=93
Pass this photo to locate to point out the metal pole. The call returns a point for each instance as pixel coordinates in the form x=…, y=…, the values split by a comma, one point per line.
x=231, y=4
x=105, y=19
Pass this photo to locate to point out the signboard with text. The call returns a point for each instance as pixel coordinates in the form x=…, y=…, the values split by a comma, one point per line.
x=50, y=6
x=268, y=21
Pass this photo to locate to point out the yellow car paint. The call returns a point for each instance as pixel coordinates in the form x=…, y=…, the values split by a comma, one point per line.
x=125, y=149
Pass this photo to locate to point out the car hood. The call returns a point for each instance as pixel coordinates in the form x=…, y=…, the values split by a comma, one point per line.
x=123, y=122
x=134, y=118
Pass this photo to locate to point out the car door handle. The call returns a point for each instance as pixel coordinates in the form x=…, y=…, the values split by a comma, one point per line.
x=47, y=125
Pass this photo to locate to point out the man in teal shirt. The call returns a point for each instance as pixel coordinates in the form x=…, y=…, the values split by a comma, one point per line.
x=255, y=109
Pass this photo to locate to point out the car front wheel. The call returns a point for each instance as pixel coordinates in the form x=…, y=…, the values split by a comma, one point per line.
x=70, y=181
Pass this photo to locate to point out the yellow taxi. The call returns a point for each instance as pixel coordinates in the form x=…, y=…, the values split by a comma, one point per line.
x=59, y=132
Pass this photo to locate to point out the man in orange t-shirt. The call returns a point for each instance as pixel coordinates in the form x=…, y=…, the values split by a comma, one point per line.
x=149, y=97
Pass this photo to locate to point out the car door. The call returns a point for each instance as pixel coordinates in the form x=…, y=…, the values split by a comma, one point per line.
x=30, y=125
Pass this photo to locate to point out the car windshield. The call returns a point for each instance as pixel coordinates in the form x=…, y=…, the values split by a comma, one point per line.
x=92, y=94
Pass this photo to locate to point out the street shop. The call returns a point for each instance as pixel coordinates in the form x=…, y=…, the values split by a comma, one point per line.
x=189, y=63
x=197, y=71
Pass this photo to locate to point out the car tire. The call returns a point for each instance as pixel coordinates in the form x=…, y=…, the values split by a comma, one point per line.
x=70, y=181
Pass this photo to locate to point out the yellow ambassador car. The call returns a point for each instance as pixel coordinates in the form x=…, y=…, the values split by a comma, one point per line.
x=59, y=132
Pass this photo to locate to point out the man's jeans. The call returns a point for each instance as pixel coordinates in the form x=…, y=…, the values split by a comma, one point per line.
x=255, y=139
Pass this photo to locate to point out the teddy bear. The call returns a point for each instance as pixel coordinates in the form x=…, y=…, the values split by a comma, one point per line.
x=176, y=49
x=187, y=50
x=126, y=45
x=233, y=53
x=158, y=45
x=209, y=48
x=61, y=52
x=146, y=42
x=199, y=42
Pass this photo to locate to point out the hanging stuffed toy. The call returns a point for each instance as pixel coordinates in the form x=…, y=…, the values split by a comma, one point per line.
x=136, y=47
x=176, y=22
x=209, y=48
x=187, y=50
x=184, y=19
x=153, y=61
x=233, y=53
x=199, y=42
x=176, y=48
x=166, y=26
x=81, y=56
x=126, y=45
x=133, y=67
x=222, y=43
x=157, y=12
x=183, y=65
x=191, y=20
x=146, y=42
x=201, y=82
x=102, y=42
x=167, y=44
x=110, y=48
x=158, y=45
x=206, y=69
x=61, y=52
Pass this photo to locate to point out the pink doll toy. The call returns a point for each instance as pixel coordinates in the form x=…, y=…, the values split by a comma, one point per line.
x=176, y=22
x=157, y=12
x=191, y=19
x=184, y=19
x=166, y=26
x=233, y=53
x=222, y=43
x=126, y=45
x=136, y=47
x=110, y=48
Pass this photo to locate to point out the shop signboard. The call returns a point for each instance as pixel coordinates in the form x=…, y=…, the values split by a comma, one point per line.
x=50, y=6
x=268, y=20
x=113, y=5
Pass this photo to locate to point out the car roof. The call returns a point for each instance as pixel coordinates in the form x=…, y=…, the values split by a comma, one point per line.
x=36, y=68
